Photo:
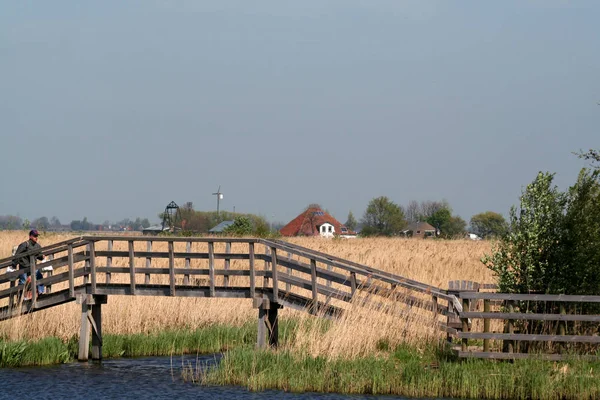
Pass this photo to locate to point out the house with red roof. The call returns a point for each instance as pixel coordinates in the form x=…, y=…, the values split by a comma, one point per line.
x=315, y=222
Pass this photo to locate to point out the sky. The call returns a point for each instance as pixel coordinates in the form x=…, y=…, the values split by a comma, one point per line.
x=112, y=109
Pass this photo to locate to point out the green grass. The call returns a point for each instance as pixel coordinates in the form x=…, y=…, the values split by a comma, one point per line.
x=210, y=339
x=425, y=372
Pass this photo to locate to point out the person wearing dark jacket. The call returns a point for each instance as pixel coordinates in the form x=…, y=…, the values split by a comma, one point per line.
x=23, y=262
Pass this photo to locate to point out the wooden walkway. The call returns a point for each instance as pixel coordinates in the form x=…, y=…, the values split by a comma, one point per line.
x=272, y=274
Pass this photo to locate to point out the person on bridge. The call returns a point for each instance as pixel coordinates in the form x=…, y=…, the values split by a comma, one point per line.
x=23, y=262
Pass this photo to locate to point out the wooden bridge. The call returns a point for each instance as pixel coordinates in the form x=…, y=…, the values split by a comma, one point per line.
x=271, y=273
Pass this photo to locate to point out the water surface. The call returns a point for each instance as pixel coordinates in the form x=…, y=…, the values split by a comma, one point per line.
x=132, y=378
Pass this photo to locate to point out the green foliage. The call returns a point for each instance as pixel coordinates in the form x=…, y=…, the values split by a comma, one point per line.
x=553, y=245
x=351, y=222
x=489, y=224
x=440, y=216
x=591, y=155
x=382, y=218
x=241, y=227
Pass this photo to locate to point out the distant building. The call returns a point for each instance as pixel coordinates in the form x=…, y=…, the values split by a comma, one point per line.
x=316, y=222
x=420, y=230
x=220, y=228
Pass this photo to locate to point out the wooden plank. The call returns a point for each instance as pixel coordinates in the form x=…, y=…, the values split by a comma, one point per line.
x=274, y=273
x=353, y=283
x=321, y=273
x=93, y=265
x=181, y=271
x=531, y=317
x=50, y=273
x=530, y=297
x=465, y=326
x=252, y=271
x=530, y=338
x=171, y=269
x=71, y=272
x=131, y=268
x=211, y=267
x=513, y=356
x=322, y=289
x=148, y=262
x=109, y=260
x=313, y=280
x=188, y=249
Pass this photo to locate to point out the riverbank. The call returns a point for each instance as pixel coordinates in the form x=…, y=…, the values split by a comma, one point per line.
x=411, y=371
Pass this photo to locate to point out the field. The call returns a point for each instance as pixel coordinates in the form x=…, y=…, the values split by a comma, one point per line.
x=429, y=261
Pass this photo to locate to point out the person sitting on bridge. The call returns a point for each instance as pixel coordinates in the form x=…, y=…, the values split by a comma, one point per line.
x=23, y=262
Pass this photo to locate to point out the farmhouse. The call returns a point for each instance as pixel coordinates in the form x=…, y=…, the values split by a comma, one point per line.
x=316, y=222
x=419, y=230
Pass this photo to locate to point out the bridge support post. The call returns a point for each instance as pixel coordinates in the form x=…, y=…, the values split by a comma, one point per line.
x=268, y=322
x=91, y=317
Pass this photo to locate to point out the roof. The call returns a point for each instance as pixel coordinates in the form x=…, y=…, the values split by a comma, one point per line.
x=306, y=223
x=220, y=227
x=420, y=226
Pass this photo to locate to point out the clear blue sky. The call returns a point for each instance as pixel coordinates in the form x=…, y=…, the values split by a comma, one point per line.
x=112, y=109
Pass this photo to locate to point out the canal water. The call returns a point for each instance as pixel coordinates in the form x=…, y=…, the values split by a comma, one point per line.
x=132, y=378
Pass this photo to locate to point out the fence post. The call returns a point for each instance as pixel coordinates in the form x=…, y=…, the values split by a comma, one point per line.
x=188, y=249
x=288, y=286
x=93, y=265
x=211, y=267
x=171, y=268
x=315, y=293
x=252, y=271
x=71, y=271
x=148, y=262
x=486, y=324
x=50, y=273
x=274, y=274
x=227, y=264
x=33, y=275
x=267, y=267
x=465, y=324
x=109, y=262
x=510, y=327
x=131, y=268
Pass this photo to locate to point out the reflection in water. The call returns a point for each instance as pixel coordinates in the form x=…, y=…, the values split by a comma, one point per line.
x=137, y=378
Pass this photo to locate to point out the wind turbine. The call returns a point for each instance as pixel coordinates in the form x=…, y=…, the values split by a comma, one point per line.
x=219, y=198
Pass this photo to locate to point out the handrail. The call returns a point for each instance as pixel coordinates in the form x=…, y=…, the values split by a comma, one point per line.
x=530, y=297
x=358, y=268
x=43, y=250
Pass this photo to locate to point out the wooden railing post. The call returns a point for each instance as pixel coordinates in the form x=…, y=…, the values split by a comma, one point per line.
x=267, y=267
x=465, y=324
x=71, y=271
x=171, y=268
x=50, y=273
x=274, y=274
x=188, y=249
x=93, y=265
x=353, y=283
x=227, y=264
x=315, y=293
x=252, y=271
x=288, y=286
x=486, y=324
x=86, y=267
x=148, y=262
x=434, y=302
x=109, y=261
x=328, y=298
x=131, y=268
x=510, y=327
x=33, y=275
x=211, y=267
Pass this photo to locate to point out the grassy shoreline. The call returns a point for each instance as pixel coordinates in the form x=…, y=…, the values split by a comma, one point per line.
x=406, y=371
